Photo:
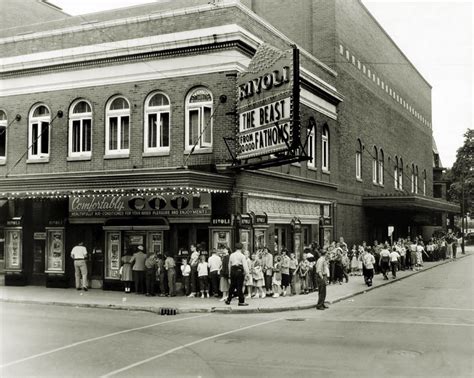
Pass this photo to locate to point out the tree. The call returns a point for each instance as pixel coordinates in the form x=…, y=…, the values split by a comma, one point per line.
x=462, y=174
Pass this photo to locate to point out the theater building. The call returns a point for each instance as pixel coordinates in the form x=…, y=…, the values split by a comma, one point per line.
x=185, y=122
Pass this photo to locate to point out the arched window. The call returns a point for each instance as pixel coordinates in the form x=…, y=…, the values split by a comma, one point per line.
x=395, y=173
x=38, y=132
x=424, y=182
x=375, y=170
x=416, y=179
x=80, y=129
x=325, y=149
x=198, y=130
x=157, y=123
x=312, y=148
x=117, y=130
x=400, y=175
x=359, y=160
x=381, y=167
x=413, y=178
x=3, y=136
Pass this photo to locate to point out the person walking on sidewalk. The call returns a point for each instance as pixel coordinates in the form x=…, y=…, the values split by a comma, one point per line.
x=215, y=266
x=368, y=261
x=79, y=255
x=384, y=261
x=394, y=261
x=238, y=269
x=138, y=263
x=321, y=275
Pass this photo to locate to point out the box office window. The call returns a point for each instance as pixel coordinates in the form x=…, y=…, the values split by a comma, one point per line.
x=38, y=132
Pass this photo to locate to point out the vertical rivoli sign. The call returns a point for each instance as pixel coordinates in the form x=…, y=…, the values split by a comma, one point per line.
x=267, y=103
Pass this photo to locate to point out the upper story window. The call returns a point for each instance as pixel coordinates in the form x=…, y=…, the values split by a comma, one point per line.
x=38, y=132
x=395, y=173
x=117, y=130
x=3, y=135
x=381, y=167
x=198, y=130
x=80, y=129
x=375, y=171
x=325, y=149
x=416, y=179
x=359, y=160
x=312, y=149
x=424, y=182
x=400, y=174
x=157, y=123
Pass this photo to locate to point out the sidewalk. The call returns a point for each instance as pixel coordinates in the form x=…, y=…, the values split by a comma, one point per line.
x=96, y=298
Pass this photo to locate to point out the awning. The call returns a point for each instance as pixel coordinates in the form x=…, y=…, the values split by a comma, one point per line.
x=141, y=224
x=410, y=203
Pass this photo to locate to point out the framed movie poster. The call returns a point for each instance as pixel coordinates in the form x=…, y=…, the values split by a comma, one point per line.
x=113, y=255
x=13, y=250
x=155, y=242
x=55, y=258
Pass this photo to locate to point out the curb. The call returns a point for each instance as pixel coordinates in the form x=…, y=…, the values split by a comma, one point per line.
x=223, y=310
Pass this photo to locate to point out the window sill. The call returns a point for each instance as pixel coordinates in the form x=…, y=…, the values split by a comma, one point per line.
x=359, y=179
x=198, y=151
x=312, y=168
x=37, y=161
x=3, y=161
x=78, y=158
x=116, y=156
x=326, y=172
x=155, y=153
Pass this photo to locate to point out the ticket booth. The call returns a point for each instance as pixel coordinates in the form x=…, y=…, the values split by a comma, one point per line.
x=14, y=266
x=220, y=232
x=260, y=230
x=245, y=232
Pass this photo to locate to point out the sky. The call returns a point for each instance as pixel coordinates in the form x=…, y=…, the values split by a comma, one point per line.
x=436, y=36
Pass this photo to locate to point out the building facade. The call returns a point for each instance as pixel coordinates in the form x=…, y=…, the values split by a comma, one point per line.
x=130, y=127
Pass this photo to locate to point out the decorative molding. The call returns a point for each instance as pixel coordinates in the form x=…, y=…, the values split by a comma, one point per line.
x=317, y=103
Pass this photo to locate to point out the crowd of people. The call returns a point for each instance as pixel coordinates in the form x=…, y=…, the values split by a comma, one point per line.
x=205, y=275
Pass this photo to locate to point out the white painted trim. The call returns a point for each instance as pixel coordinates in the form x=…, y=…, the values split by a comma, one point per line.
x=320, y=83
x=317, y=103
x=289, y=199
x=126, y=73
x=156, y=43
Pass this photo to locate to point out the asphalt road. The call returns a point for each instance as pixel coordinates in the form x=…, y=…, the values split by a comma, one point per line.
x=420, y=326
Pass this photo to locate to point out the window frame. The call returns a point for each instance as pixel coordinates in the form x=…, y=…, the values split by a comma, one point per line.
x=400, y=175
x=199, y=106
x=4, y=125
x=375, y=166
x=359, y=160
x=381, y=164
x=39, y=157
x=312, y=163
x=79, y=117
x=158, y=111
x=325, y=152
x=119, y=114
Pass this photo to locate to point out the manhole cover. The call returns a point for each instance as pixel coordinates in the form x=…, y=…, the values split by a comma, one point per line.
x=296, y=319
x=406, y=353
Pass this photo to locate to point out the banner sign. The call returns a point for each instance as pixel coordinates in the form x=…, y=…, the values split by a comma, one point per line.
x=265, y=104
x=140, y=205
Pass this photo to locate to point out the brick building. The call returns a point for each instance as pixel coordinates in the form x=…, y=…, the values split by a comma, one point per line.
x=113, y=124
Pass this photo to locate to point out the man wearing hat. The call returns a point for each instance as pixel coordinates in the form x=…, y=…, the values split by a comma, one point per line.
x=321, y=277
x=238, y=268
x=138, y=269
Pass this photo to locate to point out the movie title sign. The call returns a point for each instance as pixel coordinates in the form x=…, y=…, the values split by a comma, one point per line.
x=265, y=104
x=140, y=205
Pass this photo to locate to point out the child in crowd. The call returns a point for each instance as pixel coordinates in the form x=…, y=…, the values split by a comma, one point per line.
x=203, y=271
x=302, y=271
x=186, y=272
x=276, y=280
x=257, y=277
x=354, y=262
x=293, y=266
x=248, y=282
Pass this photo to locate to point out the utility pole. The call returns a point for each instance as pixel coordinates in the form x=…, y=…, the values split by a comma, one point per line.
x=462, y=215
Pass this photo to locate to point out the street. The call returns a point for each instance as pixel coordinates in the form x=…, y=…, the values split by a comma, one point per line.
x=419, y=326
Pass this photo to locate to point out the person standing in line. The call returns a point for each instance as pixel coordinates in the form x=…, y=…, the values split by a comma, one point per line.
x=321, y=271
x=302, y=271
x=248, y=280
x=257, y=276
x=79, y=255
x=368, y=260
x=384, y=261
x=394, y=261
x=215, y=266
x=267, y=262
x=162, y=275
x=346, y=264
x=420, y=249
x=413, y=247
x=170, y=267
x=194, y=261
x=138, y=263
x=238, y=269
x=186, y=271
x=150, y=274
x=225, y=275
x=285, y=271
x=292, y=267
x=203, y=276
x=126, y=276
x=449, y=244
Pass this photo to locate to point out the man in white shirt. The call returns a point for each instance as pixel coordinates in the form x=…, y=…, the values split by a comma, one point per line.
x=79, y=254
x=368, y=261
x=394, y=260
x=384, y=261
x=238, y=269
x=215, y=266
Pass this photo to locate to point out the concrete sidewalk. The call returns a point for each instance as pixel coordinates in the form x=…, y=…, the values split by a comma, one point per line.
x=96, y=298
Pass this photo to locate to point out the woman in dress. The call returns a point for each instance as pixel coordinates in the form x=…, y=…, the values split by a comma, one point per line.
x=126, y=276
x=224, y=281
x=257, y=277
x=248, y=278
